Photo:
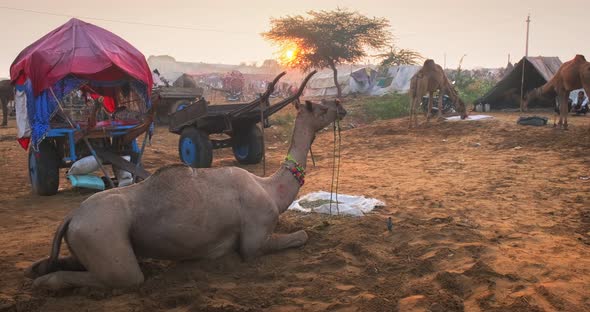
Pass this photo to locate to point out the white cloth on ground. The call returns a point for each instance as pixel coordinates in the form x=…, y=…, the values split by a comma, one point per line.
x=347, y=204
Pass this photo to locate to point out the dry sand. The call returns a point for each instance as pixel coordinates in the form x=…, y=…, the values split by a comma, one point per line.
x=488, y=216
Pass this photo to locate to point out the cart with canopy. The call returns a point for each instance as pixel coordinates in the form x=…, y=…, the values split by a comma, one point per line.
x=81, y=91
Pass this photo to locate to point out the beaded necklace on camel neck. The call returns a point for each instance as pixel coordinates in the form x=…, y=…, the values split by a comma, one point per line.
x=296, y=169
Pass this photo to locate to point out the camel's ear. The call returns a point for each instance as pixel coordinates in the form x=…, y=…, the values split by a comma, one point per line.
x=309, y=106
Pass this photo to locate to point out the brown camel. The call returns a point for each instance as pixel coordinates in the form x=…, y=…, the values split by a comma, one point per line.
x=427, y=80
x=572, y=75
x=6, y=95
x=182, y=213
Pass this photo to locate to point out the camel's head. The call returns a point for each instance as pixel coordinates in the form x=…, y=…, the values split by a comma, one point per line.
x=461, y=108
x=320, y=115
x=532, y=96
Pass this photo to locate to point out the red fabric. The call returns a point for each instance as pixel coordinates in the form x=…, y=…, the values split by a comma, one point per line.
x=20, y=80
x=24, y=142
x=108, y=102
x=82, y=49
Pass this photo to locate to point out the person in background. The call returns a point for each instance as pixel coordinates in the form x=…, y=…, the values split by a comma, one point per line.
x=580, y=105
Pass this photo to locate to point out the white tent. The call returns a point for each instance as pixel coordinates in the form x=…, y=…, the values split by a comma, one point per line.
x=352, y=80
x=362, y=80
x=397, y=80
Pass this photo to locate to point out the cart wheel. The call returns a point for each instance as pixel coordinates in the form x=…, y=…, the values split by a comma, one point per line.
x=195, y=148
x=44, y=169
x=248, y=145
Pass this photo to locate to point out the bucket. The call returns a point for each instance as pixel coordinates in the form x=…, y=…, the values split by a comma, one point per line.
x=87, y=181
x=486, y=107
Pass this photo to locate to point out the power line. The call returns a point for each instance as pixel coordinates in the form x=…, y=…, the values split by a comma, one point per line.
x=127, y=22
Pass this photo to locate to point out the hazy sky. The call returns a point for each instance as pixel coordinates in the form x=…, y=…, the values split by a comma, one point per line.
x=486, y=31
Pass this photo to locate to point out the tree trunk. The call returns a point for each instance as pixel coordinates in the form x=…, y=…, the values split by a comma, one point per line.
x=338, y=89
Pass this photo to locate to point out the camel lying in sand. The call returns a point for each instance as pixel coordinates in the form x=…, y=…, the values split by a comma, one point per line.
x=429, y=78
x=572, y=75
x=181, y=213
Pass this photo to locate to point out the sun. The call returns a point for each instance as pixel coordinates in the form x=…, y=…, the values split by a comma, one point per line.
x=288, y=54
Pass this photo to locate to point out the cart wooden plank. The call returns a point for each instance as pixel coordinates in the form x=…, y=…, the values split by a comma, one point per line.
x=121, y=163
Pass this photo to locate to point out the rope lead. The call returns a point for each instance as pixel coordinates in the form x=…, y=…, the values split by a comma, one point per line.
x=336, y=167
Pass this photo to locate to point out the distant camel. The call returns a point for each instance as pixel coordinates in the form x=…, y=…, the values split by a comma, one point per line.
x=6, y=95
x=427, y=80
x=572, y=75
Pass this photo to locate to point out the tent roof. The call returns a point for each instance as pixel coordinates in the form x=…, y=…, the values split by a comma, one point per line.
x=81, y=49
x=537, y=71
x=546, y=66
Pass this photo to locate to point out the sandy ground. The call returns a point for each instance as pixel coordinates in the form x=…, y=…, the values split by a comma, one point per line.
x=488, y=216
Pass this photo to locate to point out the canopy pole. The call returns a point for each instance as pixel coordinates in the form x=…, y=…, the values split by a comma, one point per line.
x=522, y=108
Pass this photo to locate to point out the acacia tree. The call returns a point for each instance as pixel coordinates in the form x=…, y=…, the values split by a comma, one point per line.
x=397, y=57
x=325, y=39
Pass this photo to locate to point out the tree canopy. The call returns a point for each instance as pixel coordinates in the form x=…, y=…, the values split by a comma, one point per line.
x=327, y=38
x=397, y=57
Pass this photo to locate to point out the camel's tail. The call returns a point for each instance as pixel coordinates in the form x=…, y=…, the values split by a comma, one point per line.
x=55, y=247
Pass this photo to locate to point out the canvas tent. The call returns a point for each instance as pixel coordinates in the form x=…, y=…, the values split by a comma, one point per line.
x=397, y=80
x=362, y=80
x=351, y=80
x=537, y=71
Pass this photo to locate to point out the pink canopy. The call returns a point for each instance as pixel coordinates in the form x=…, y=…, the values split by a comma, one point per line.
x=84, y=50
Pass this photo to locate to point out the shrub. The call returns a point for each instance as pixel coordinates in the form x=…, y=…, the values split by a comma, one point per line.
x=387, y=106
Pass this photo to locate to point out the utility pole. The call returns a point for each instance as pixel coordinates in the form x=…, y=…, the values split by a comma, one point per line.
x=528, y=23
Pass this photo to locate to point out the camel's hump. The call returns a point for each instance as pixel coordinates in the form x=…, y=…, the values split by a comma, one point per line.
x=171, y=169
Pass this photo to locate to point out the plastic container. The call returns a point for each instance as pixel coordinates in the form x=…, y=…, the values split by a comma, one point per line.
x=486, y=108
x=87, y=181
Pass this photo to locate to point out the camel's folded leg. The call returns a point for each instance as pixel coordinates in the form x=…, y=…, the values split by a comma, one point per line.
x=283, y=241
x=66, y=279
x=254, y=243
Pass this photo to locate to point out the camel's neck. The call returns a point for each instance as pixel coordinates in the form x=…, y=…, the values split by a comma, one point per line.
x=282, y=186
x=547, y=90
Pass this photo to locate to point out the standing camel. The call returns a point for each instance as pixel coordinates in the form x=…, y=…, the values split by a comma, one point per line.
x=571, y=75
x=182, y=213
x=6, y=95
x=428, y=79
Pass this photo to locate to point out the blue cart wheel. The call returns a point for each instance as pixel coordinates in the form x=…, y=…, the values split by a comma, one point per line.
x=188, y=151
x=179, y=105
x=241, y=151
x=44, y=169
x=195, y=148
x=248, y=144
